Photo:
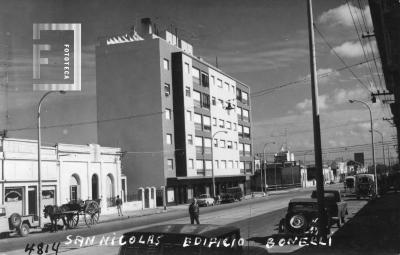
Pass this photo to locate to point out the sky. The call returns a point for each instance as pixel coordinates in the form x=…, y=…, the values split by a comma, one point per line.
x=263, y=43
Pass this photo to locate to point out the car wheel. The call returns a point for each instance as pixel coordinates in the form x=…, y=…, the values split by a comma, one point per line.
x=24, y=230
x=297, y=222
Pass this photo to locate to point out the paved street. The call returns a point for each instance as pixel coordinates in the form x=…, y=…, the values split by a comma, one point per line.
x=256, y=218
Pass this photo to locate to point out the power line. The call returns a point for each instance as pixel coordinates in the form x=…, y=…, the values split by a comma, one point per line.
x=271, y=90
x=340, y=58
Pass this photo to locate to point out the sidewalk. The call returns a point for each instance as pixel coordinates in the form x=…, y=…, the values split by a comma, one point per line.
x=375, y=229
x=140, y=213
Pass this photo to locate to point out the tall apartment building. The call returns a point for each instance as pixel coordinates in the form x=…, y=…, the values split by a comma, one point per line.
x=163, y=106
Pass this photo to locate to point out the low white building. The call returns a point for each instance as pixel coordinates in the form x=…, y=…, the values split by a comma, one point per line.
x=68, y=171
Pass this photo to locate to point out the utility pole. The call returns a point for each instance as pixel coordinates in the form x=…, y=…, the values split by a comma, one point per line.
x=322, y=230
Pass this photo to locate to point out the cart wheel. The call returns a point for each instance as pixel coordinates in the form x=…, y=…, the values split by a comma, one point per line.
x=73, y=220
x=92, y=219
x=15, y=220
x=23, y=230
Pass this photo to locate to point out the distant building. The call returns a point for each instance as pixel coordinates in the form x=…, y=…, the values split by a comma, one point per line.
x=162, y=105
x=69, y=172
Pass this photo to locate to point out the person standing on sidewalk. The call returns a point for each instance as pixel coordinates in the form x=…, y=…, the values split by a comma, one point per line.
x=118, y=202
x=194, y=212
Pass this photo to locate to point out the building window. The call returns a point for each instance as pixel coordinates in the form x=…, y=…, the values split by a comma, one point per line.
x=189, y=115
x=219, y=83
x=207, y=123
x=191, y=163
x=216, y=164
x=223, y=164
x=214, y=101
x=169, y=138
x=214, y=121
x=167, y=114
x=207, y=145
x=221, y=102
x=187, y=67
x=227, y=87
x=190, y=139
x=167, y=89
x=228, y=125
x=197, y=98
x=197, y=121
x=236, y=146
x=238, y=94
x=205, y=102
x=222, y=143
x=248, y=167
x=233, y=89
x=234, y=127
x=241, y=167
x=212, y=80
x=229, y=144
x=239, y=113
x=246, y=132
x=200, y=167
x=198, y=142
x=221, y=123
x=245, y=115
x=236, y=164
x=204, y=80
x=166, y=64
x=187, y=91
x=196, y=76
x=240, y=130
x=245, y=98
x=215, y=142
x=247, y=150
x=241, y=149
x=230, y=164
x=170, y=164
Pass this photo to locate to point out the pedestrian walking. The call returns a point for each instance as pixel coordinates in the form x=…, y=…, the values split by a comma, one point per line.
x=194, y=212
x=118, y=202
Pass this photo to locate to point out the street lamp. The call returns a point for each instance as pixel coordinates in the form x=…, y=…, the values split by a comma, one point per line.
x=264, y=168
x=372, y=140
x=39, y=154
x=212, y=159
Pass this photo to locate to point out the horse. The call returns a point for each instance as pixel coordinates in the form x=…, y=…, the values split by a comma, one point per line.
x=55, y=213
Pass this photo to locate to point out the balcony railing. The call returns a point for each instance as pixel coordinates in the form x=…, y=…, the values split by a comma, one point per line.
x=207, y=150
x=197, y=126
x=199, y=150
x=196, y=81
x=244, y=118
x=246, y=135
x=197, y=103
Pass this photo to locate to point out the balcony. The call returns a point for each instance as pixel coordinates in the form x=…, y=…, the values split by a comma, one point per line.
x=207, y=128
x=246, y=135
x=207, y=150
x=197, y=103
x=198, y=126
x=196, y=81
x=199, y=150
x=245, y=118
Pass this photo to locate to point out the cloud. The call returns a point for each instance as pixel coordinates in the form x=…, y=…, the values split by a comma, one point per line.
x=342, y=16
x=324, y=75
x=355, y=49
x=307, y=103
x=342, y=96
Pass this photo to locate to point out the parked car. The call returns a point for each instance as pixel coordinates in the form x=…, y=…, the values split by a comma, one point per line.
x=365, y=186
x=176, y=239
x=236, y=192
x=335, y=206
x=227, y=198
x=205, y=200
x=16, y=223
x=301, y=216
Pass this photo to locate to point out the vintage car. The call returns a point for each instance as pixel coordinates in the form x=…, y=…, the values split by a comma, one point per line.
x=365, y=186
x=236, y=192
x=227, y=198
x=335, y=206
x=16, y=223
x=301, y=216
x=205, y=200
x=349, y=184
x=185, y=239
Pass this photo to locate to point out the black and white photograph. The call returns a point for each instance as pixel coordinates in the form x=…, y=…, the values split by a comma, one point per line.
x=175, y=127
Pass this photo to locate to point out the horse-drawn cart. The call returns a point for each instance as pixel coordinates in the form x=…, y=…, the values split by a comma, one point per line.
x=72, y=212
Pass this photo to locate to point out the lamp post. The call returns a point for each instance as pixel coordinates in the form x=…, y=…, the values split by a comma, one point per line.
x=383, y=147
x=39, y=155
x=212, y=159
x=372, y=140
x=264, y=168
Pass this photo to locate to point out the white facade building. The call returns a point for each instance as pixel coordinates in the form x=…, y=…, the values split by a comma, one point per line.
x=69, y=172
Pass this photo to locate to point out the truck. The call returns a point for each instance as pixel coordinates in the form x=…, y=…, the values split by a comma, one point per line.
x=16, y=223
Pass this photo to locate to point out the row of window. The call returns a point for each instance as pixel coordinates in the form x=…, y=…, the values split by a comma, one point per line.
x=202, y=165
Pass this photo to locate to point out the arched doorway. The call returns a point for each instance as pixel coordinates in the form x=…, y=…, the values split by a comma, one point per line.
x=110, y=196
x=74, y=188
x=95, y=187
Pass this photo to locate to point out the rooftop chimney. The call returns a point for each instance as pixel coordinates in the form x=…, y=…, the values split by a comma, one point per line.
x=146, y=27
